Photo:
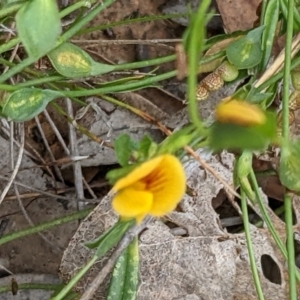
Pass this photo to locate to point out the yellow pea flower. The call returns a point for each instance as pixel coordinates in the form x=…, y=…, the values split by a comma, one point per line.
x=239, y=112
x=153, y=188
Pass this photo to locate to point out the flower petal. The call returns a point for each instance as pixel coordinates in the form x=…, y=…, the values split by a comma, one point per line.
x=167, y=184
x=131, y=202
x=239, y=112
x=138, y=173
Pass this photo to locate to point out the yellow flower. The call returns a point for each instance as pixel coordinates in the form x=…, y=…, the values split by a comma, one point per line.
x=239, y=112
x=155, y=187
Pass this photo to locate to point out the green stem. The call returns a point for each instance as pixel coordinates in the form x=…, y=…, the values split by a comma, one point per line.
x=263, y=11
x=68, y=10
x=146, y=63
x=39, y=81
x=85, y=20
x=17, y=68
x=195, y=45
x=47, y=225
x=122, y=87
x=285, y=9
x=11, y=9
x=31, y=286
x=285, y=136
x=31, y=83
x=39, y=286
x=130, y=21
x=268, y=222
x=9, y=45
x=265, y=215
x=286, y=74
x=249, y=246
x=75, y=279
x=290, y=246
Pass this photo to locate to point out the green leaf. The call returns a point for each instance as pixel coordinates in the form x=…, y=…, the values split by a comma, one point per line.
x=233, y=136
x=245, y=53
x=38, y=26
x=289, y=169
x=270, y=20
x=256, y=97
x=25, y=104
x=124, y=146
x=253, y=95
x=255, y=34
x=73, y=62
x=146, y=148
x=110, y=238
x=124, y=279
x=261, y=97
x=242, y=92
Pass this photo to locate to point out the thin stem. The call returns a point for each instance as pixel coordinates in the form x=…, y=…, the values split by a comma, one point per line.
x=249, y=247
x=263, y=10
x=147, y=63
x=75, y=279
x=285, y=136
x=85, y=20
x=122, y=87
x=9, y=45
x=268, y=222
x=196, y=41
x=265, y=215
x=47, y=225
x=11, y=9
x=31, y=286
x=286, y=73
x=130, y=21
x=290, y=246
x=68, y=10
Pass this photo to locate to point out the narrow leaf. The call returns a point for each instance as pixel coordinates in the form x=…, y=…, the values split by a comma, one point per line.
x=271, y=20
x=124, y=279
x=38, y=26
x=110, y=238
